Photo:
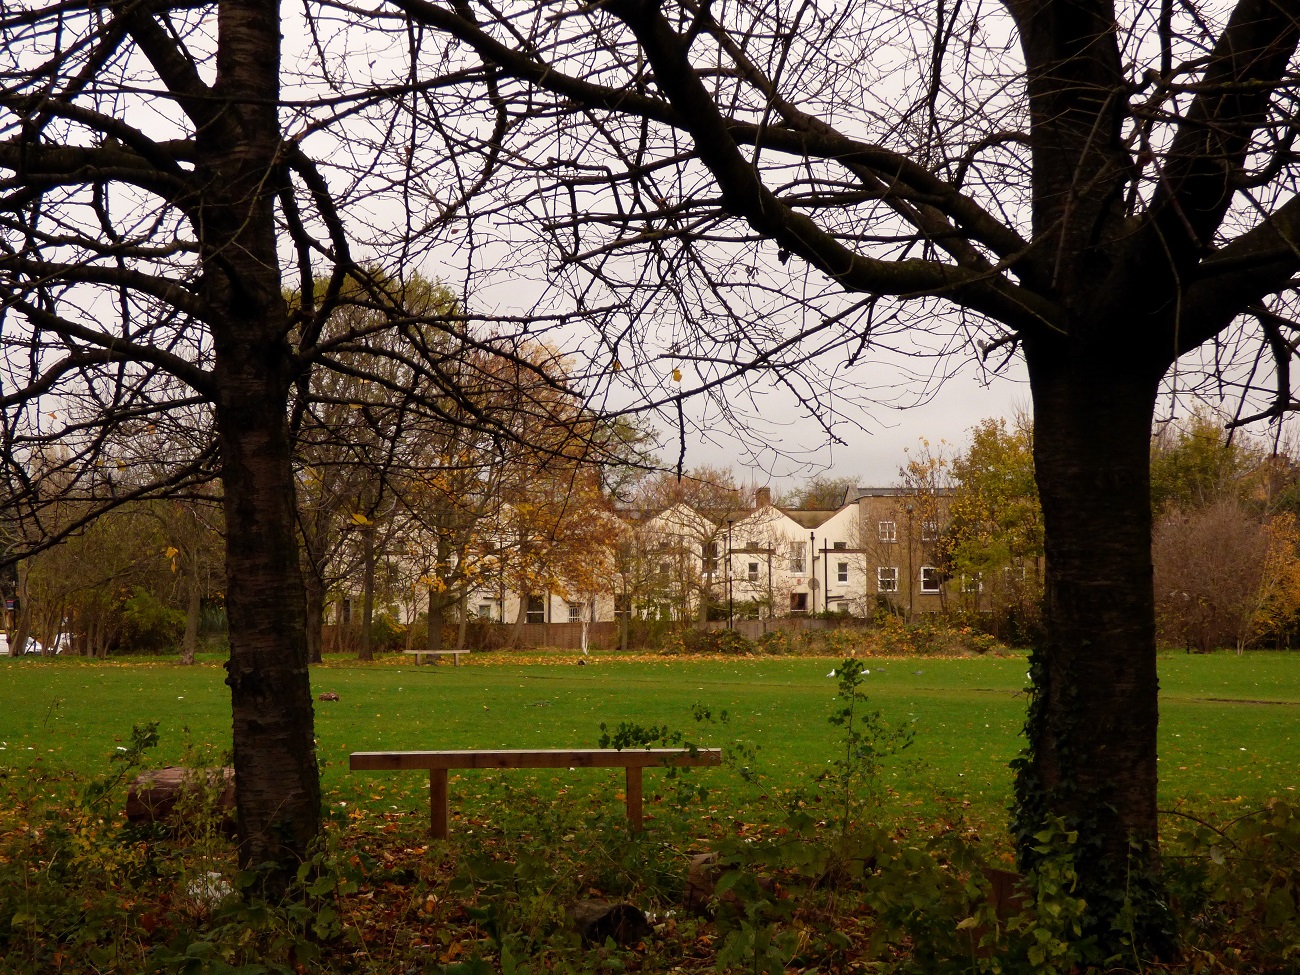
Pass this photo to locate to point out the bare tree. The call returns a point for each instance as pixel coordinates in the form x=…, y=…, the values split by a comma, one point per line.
x=1098, y=190
x=139, y=272
x=156, y=188
x=1210, y=566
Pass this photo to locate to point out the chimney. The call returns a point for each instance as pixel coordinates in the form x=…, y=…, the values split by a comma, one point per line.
x=762, y=497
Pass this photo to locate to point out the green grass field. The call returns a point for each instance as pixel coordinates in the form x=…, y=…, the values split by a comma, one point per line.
x=1228, y=731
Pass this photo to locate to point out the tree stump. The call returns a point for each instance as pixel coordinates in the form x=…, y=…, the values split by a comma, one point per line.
x=153, y=795
x=702, y=880
x=1005, y=893
x=598, y=920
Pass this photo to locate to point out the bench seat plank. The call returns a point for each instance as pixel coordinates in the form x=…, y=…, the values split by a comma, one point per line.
x=455, y=655
x=538, y=758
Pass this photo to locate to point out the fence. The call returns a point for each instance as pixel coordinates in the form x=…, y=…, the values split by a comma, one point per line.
x=753, y=629
x=480, y=635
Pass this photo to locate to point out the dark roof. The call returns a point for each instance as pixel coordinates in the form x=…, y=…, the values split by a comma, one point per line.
x=807, y=517
x=855, y=494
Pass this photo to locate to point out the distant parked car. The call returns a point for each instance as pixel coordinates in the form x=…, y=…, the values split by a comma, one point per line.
x=62, y=643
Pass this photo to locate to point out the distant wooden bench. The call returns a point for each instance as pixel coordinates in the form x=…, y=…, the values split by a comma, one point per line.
x=455, y=655
x=634, y=760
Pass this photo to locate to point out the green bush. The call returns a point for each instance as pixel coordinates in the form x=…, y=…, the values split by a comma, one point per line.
x=148, y=625
x=387, y=635
x=775, y=643
x=707, y=641
x=1239, y=884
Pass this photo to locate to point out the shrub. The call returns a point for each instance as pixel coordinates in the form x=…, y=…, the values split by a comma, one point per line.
x=387, y=635
x=148, y=625
x=727, y=642
x=1239, y=884
x=775, y=643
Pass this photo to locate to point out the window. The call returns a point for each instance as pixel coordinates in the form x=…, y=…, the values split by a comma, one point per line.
x=345, y=611
x=840, y=545
x=709, y=557
x=536, y=611
x=887, y=578
x=798, y=602
x=929, y=531
x=888, y=531
x=752, y=575
x=842, y=572
x=796, y=557
x=575, y=612
x=972, y=583
x=665, y=571
x=484, y=611
x=929, y=579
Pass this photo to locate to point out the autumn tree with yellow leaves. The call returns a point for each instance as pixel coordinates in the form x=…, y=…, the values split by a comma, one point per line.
x=994, y=538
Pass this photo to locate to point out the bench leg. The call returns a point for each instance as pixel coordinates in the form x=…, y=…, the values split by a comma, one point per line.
x=455, y=660
x=438, y=803
x=635, y=820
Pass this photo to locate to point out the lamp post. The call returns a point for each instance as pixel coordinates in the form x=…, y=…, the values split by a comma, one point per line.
x=730, y=604
x=812, y=568
x=910, y=587
x=826, y=571
x=771, y=609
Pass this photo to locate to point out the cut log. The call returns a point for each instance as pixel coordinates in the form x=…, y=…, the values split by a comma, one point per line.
x=598, y=920
x=153, y=795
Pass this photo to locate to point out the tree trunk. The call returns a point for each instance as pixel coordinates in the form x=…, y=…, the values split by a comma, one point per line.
x=438, y=601
x=193, y=604
x=315, y=614
x=275, y=760
x=437, y=616
x=1092, y=722
x=366, y=651
x=241, y=292
x=23, y=625
x=463, y=622
x=517, y=630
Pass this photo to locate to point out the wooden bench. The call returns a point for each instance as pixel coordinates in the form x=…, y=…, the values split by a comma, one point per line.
x=455, y=655
x=634, y=760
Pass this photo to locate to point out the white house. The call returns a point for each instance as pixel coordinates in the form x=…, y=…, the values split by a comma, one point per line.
x=778, y=558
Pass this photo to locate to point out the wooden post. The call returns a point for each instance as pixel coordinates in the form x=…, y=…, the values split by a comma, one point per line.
x=438, y=803
x=634, y=811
